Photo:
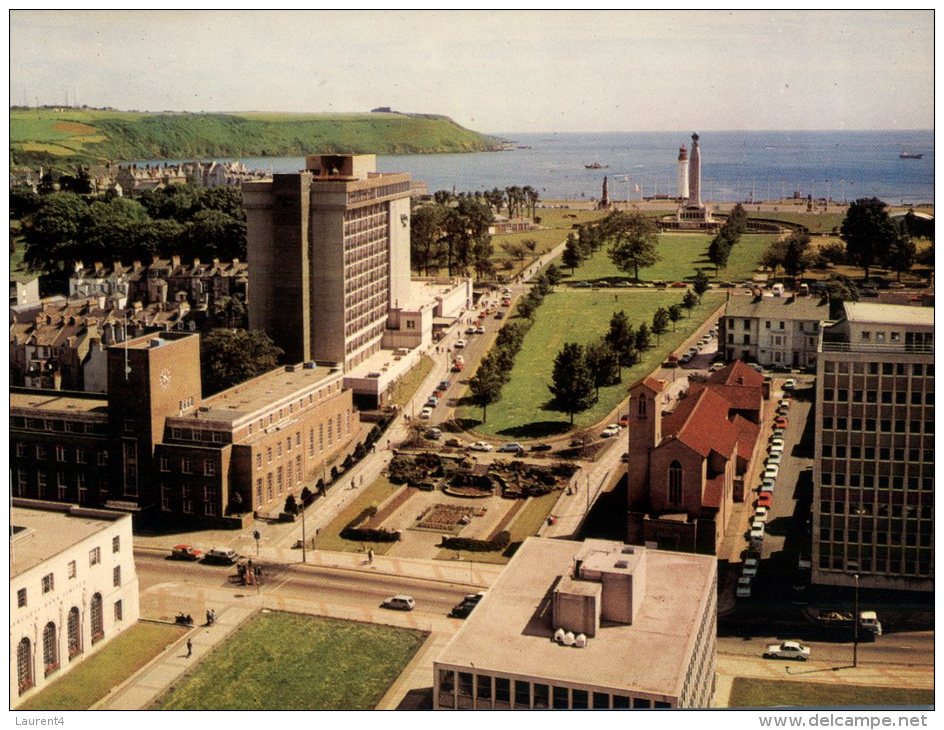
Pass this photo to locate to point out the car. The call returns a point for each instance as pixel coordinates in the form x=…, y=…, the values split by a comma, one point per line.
x=581, y=285
x=726, y=285
x=781, y=422
x=457, y=367
x=780, y=368
x=896, y=285
x=671, y=363
x=777, y=433
x=774, y=457
x=432, y=401
x=765, y=499
x=625, y=457
x=678, y=285
x=540, y=447
x=443, y=385
x=783, y=410
x=185, y=552
x=749, y=570
x=760, y=514
x=776, y=445
x=755, y=366
x=513, y=448
x=480, y=330
x=686, y=358
x=757, y=530
x=772, y=471
x=470, y=330
x=784, y=402
x=612, y=430
x=427, y=412
x=624, y=420
x=453, y=442
x=481, y=446
x=460, y=344
x=623, y=284
x=743, y=587
x=715, y=367
x=767, y=485
x=221, y=556
x=462, y=610
x=499, y=315
x=789, y=384
x=399, y=603
x=506, y=302
x=433, y=434
x=788, y=650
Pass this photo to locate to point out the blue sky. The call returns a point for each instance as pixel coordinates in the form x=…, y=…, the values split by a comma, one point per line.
x=494, y=71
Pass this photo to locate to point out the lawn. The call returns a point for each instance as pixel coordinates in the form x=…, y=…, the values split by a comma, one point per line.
x=578, y=315
x=681, y=254
x=285, y=661
x=411, y=382
x=93, y=678
x=776, y=693
x=330, y=537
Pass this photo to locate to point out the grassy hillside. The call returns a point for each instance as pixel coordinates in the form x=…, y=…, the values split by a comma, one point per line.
x=64, y=138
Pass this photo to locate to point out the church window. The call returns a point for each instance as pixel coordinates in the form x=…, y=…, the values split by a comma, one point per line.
x=675, y=483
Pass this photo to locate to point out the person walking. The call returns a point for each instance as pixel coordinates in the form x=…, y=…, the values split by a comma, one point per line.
x=370, y=556
x=189, y=648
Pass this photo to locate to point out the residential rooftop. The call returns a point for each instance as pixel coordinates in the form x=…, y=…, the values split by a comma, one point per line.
x=770, y=307
x=873, y=313
x=52, y=401
x=510, y=631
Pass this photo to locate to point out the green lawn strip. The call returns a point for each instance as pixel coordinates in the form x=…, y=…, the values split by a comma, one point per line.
x=816, y=223
x=411, y=382
x=374, y=495
x=681, y=254
x=747, y=692
x=285, y=661
x=582, y=316
x=92, y=679
x=526, y=524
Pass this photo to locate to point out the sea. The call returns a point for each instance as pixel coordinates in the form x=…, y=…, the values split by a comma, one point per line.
x=736, y=165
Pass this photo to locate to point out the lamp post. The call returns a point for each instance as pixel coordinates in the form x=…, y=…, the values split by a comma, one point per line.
x=855, y=625
x=304, y=554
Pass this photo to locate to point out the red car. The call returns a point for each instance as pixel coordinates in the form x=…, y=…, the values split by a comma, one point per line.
x=185, y=552
x=678, y=285
x=624, y=420
x=780, y=422
x=766, y=499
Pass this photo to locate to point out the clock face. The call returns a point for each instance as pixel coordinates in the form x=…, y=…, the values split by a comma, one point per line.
x=165, y=379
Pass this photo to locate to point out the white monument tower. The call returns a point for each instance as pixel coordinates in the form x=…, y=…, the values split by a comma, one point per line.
x=682, y=174
x=694, y=174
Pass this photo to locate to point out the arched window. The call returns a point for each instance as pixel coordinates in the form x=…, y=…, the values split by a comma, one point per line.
x=24, y=665
x=50, y=649
x=642, y=406
x=98, y=624
x=74, y=629
x=675, y=483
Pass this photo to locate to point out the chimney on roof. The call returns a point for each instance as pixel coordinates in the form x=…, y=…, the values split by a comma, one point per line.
x=175, y=261
x=117, y=267
x=196, y=263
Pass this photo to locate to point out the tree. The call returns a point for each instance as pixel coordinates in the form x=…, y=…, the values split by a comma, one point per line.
x=868, y=232
x=291, y=505
x=426, y=230
x=572, y=386
x=229, y=357
x=719, y=250
x=229, y=311
x=514, y=249
x=530, y=244
x=643, y=338
x=690, y=301
x=737, y=221
x=796, y=258
x=621, y=339
x=527, y=307
x=660, y=322
x=486, y=385
x=554, y=274
x=53, y=233
x=217, y=235
x=774, y=256
x=634, y=239
x=700, y=283
x=675, y=314
x=901, y=255
x=573, y=256
x=603, y=364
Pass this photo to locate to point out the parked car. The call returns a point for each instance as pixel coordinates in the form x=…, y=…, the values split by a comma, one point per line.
x=480, y=330
x=788, y=650
x=612, y=430
x=540, y=447
x=453, y=442
x=771, y=472
x=686, y=358
x=481, y=446
x=678, y=285
x=757, y=530
x=427, y=412
x=399, y=603
x=185, y=552
x=432, y=401
x=624, y=420
x=457, y=367
x=789, y=384
x=513, y=447
x=743, y=587
x=470, y=330
x=221, y=556
x=462, y=610
x=499, y=315
x=766, y=499
x=760, y=514
x=777, y=433
x=774, y=457
x=767, y=484
x=750, y=568
x=781, y=422
x=460, y=344
x=716, y=367
x=443, y=385
x=776, y=445
x=433, y=434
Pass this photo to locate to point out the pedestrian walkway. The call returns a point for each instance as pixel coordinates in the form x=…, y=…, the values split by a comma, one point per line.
x=146, y=685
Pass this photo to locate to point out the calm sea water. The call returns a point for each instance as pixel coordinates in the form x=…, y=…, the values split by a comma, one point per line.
x=735, y=165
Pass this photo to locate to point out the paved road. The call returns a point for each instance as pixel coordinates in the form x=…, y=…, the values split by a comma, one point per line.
x=905, y=649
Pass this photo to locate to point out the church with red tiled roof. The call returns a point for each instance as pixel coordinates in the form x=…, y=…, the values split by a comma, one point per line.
x=687, y=459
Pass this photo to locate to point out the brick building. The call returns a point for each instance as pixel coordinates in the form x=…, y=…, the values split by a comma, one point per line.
x=686, y=463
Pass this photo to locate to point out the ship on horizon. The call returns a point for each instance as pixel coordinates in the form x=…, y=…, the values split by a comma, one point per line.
x=911, y=155
x=595, y=166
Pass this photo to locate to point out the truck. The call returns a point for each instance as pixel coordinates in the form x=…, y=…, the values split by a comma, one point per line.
x=869, y=625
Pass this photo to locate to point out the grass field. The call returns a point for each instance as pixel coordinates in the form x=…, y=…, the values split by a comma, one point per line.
x=93, y=678
x=681, y=254
x=330, y=536
x=775, y=693
x=411, y=382
x=284, y=661
x=578, y=315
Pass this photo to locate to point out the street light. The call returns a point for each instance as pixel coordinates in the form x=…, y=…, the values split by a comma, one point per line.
x=855, y=625
x=304, y=554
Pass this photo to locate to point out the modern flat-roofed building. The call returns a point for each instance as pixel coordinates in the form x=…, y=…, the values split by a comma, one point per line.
x=772, y=330
x=73, y=588
x=873, y=478
x=591, y=625
x=329, y=255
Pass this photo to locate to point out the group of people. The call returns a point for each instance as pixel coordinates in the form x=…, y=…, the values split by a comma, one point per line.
x=248, y=573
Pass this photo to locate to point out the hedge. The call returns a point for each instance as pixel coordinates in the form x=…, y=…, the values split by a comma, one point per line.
x=499, y=542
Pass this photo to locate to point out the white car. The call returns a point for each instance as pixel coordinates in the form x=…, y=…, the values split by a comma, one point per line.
x=774, y=458
x=399, y=603
x=757, y=530
x=767, y=485
x=481, y=446
x=750, y=568
x=789, y=384
x=776, y=445
x=460, y=344
x=427, y=412
x=743, y=587
x=771, y=472
x=760, y=514
x=788, y=650
x=612, y=430
x=480, y=330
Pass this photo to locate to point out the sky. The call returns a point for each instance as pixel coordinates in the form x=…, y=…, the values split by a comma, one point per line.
x=491, y=71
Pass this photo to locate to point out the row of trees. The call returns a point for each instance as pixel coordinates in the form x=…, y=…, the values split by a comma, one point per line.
x=59, y=228
x=517, y=200
x=453, y=236
x=633, y=242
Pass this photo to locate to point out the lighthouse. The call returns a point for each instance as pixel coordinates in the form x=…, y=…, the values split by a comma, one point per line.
x=694, y=174
x=682, y=184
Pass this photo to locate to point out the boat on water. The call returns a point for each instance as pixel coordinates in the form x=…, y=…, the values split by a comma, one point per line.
x=911, y=155
x=595, y=166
